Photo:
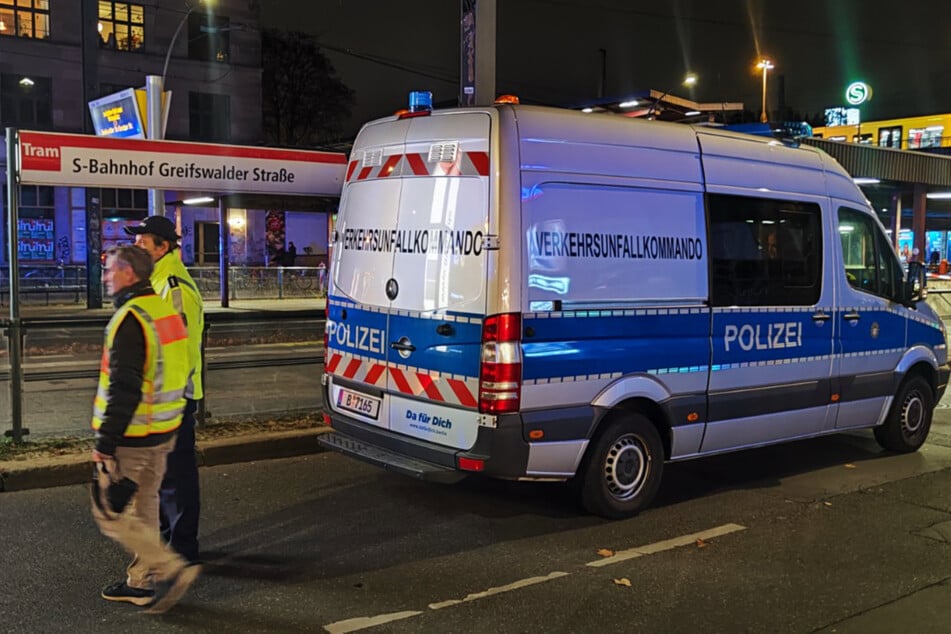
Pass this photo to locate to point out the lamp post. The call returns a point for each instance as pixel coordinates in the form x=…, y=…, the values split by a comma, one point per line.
x=155, y=109
x=690, y=80
x=765, y=65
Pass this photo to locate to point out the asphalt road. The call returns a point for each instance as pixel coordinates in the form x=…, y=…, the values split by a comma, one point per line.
x=825, y=535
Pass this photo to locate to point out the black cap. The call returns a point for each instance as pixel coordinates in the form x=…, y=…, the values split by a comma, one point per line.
x=156, y=225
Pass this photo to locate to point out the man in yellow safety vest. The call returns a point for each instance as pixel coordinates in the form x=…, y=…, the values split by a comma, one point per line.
x=136, y=414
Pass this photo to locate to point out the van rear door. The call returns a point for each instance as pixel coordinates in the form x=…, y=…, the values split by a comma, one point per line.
x=409, y=268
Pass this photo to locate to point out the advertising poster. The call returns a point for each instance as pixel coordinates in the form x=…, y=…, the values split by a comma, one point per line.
x=35, y=239
x=276, y=225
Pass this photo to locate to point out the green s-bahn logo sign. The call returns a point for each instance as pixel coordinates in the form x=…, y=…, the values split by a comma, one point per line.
x=858, y=93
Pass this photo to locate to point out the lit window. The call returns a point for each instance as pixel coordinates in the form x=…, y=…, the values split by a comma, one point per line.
x=121, y=26
x=25, y=18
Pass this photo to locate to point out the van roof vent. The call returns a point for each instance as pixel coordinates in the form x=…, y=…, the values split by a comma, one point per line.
x=373, y=158
x=443, y=152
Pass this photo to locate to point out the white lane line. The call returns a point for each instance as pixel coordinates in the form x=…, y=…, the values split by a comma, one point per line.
x=656, y=547
x=363, y=622
x=522, y=583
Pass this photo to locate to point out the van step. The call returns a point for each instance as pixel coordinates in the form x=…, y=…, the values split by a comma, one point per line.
x=387, y=459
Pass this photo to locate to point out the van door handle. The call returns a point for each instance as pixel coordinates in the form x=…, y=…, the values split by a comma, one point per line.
x=822, y=316
x=403, y=345
x=853, y=316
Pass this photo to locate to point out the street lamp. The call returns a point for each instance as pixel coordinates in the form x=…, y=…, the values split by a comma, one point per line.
x=690, y=79
x=766, y=66
x=155, y=109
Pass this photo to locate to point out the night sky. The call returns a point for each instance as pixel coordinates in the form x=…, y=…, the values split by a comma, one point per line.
x=548, y=50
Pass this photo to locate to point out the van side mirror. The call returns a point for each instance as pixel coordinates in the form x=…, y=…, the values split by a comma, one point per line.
x=915, y=283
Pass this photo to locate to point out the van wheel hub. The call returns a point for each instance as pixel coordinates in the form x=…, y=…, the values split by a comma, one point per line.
x=625, y=467
x=912, y=413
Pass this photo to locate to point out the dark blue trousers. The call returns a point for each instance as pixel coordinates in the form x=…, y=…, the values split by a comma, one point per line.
x=179, y=497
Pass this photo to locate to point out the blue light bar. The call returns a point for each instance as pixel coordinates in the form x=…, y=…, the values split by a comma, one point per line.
x=420, y=100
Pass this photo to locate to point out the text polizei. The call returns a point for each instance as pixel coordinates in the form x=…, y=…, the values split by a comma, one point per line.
x=777, y=335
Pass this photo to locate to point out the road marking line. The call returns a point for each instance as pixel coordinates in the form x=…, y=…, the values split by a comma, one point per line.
x=522, y=583
x=668, y=544
x=363, y=622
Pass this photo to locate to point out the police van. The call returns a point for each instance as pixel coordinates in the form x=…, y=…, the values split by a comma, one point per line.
x=543, y=294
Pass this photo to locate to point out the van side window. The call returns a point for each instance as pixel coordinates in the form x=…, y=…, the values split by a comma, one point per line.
x=764, y=252
x=870, y=261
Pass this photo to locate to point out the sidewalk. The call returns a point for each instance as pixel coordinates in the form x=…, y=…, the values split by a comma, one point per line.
x=75, y=467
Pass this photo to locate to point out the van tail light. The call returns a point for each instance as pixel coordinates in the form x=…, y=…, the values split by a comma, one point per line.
x=500, y=370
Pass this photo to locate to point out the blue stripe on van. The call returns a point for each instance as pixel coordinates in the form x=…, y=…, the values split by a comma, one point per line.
x=616, y=342
x=661, y=341
x=368, y=332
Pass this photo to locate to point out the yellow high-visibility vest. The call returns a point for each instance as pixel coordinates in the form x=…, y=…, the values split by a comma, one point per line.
x=183, y=295
x=166, y=367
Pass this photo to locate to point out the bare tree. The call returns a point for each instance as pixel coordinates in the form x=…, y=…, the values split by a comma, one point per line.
x=304, y=101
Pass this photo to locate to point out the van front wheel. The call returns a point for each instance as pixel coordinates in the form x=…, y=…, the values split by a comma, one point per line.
x=909, y=419
x=621, y=471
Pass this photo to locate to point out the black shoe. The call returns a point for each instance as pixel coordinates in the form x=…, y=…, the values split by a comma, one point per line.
x=169, y=592
x=121, y=591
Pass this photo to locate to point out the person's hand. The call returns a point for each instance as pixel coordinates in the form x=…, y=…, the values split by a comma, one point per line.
x=100, y=457
x=108, y=462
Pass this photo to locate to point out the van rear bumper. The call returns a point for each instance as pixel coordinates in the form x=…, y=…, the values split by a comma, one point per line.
x=503, y=450
x=390, y=460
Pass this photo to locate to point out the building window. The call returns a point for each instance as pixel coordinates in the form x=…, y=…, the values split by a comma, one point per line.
x=209, y=37
x=26, y=102
x=121, y=208
x=209, y=117
x=35, y=227
x=121, y=26
x=25, y=18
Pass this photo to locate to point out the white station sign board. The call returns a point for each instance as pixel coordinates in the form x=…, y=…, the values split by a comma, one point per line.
x=90, y=161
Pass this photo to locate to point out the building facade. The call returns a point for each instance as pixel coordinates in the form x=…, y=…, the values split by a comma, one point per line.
x=56, y=56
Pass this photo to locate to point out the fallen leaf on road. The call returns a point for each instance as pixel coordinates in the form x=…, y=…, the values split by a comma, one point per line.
x=623, y=581
x=604, y=552
x=701, y=543
x=850, y=466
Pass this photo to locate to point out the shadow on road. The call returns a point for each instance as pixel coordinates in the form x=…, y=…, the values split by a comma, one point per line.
x=765, y=467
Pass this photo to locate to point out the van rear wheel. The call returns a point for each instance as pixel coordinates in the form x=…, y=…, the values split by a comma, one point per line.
x=909, y=420
x=621, y=471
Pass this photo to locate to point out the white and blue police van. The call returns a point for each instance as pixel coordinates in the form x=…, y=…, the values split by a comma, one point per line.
x=541, y=294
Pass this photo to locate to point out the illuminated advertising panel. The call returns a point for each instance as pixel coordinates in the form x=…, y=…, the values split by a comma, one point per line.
x=117, y=115
x=842, y=116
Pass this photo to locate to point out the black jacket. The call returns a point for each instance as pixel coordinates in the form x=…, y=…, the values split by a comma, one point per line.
x=126, y=370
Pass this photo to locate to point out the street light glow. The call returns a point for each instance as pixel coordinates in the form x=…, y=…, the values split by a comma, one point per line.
x=765, y=65
x=690, y=79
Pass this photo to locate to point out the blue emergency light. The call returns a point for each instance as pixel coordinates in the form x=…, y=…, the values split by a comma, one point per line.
x=420, y=101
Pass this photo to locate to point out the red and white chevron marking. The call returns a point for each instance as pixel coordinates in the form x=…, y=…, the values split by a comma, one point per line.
x=414, y=164
x=431, y=385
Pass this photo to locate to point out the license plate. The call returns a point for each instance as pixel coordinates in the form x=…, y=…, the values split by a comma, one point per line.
x=362, y=404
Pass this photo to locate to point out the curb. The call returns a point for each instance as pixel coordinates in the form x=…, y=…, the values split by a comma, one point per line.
x=43, y=473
